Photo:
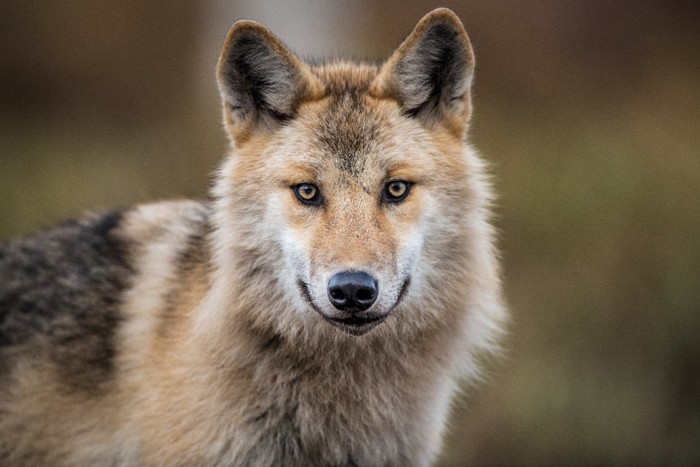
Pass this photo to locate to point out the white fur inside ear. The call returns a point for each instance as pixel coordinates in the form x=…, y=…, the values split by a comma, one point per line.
x=257, y=75
x=275, y=78
x=413, y=81
x=434, y=69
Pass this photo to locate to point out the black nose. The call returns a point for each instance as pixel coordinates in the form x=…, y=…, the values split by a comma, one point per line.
x=352, y=291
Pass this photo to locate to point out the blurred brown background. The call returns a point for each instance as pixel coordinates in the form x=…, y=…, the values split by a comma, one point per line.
x=589, y=112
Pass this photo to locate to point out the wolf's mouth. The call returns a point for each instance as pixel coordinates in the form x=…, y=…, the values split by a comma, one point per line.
x=354, y=324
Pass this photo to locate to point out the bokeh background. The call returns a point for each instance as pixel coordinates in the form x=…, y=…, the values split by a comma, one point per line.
x=588, y=111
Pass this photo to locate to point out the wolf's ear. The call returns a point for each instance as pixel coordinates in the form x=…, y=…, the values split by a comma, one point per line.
x=430, y=73
x=261, y=81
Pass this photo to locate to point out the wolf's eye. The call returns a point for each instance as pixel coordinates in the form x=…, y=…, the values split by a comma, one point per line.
x=307, y=194
x=396, y=191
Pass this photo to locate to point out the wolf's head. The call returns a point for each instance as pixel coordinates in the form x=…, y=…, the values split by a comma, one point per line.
x=350, y=195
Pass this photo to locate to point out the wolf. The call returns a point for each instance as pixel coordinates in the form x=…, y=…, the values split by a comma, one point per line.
x=320, y=308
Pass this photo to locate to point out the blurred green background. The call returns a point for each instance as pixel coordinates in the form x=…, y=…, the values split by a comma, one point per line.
x=588, y=111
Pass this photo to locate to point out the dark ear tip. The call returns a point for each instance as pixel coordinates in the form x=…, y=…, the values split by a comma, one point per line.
x=246, y=29
x=245, y=25
x=442, y=16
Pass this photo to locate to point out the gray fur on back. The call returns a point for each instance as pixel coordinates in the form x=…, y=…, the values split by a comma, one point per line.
x=59, y=295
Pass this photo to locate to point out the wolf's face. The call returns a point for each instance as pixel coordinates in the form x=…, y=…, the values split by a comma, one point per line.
x=349, y=174
x=354, y=203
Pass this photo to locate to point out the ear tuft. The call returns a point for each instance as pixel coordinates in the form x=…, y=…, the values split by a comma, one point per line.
x=260, y=80
x=430, y=74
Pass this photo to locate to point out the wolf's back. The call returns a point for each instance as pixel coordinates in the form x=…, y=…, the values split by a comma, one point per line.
x=59, y=299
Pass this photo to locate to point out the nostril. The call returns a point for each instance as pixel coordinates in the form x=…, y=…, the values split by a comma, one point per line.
x=337, y=294
x=365, y=294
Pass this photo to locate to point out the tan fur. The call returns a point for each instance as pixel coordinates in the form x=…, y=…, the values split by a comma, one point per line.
x=222, y=359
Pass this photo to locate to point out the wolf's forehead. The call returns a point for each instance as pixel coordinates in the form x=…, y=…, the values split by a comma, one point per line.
x=349, y=130
x=351, y=126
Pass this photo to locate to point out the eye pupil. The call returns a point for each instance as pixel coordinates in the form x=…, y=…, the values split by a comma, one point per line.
x=307, y=191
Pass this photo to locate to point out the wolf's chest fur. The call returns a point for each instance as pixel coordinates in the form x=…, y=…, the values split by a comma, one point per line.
x=320, y=309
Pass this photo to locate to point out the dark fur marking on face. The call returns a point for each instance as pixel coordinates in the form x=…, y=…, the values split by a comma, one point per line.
x=403, y=291
x=348, y=131
x=273, y=342
x=60, y=295
x=258, y=418
x=304, y=289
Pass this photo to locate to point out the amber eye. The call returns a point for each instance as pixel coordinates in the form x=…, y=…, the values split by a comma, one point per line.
x=307, y=194
x=396, y=191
